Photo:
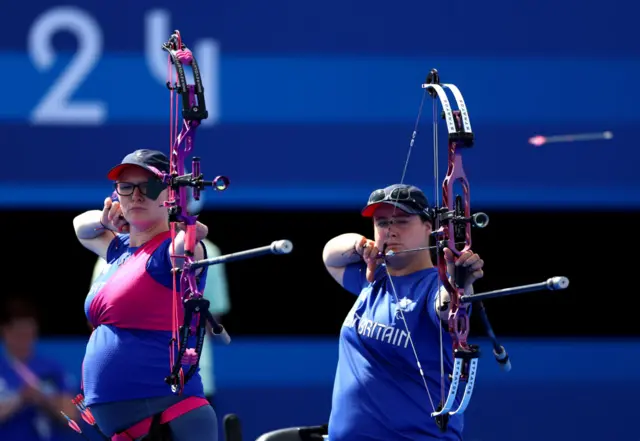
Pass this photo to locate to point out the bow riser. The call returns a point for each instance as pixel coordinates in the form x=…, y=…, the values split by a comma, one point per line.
x=458, y=317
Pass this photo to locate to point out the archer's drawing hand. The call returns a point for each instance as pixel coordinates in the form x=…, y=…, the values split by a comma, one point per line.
x=369, y=252
x=468, y=261
x=112, y=217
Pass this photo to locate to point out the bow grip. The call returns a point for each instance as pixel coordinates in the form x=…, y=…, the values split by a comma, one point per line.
x=190, y=240
x=460, y=276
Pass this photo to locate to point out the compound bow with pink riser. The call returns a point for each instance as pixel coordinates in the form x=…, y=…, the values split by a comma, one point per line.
x=187, y=295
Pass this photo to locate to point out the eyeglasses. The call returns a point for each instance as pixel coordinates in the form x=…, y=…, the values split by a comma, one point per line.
x=127, y=188
x=151, y=189
x=398, y=195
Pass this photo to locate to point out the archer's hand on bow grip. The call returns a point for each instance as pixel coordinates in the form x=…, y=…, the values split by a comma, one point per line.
x=465, y=269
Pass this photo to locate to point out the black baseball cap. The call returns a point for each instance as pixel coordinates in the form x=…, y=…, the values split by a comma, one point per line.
x=407, y=198
x=151, y=160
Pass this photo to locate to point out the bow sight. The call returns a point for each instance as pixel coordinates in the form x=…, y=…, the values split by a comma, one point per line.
x=459, y=219
x=194, y=180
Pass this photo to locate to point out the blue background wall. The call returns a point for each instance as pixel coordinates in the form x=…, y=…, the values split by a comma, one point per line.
x=557, y=390
x=299, y=94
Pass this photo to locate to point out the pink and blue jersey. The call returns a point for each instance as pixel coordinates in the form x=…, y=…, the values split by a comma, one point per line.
x=130, y=307
x=378, y=391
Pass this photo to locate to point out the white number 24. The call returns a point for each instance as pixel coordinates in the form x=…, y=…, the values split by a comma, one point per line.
x=57, y=106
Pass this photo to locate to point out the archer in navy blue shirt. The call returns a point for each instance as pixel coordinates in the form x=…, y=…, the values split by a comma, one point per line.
x=396, y=320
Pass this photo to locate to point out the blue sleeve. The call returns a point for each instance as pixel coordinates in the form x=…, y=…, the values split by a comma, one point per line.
x=159, y=267
x=355, y=277
x=118, y=245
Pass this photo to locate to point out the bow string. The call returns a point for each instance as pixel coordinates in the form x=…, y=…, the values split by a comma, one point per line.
x=452, y=222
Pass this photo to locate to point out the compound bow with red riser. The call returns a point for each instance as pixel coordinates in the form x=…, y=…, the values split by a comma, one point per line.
x=186, y=292
x=452, y=224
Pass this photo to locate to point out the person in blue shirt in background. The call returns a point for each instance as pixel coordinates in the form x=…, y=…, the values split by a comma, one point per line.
x=397, y=318
x=33, y=389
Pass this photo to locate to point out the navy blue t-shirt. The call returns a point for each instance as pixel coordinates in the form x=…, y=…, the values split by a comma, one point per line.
x=378, y=391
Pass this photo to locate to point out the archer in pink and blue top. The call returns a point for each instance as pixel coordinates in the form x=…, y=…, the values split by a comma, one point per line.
x=131, y=307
